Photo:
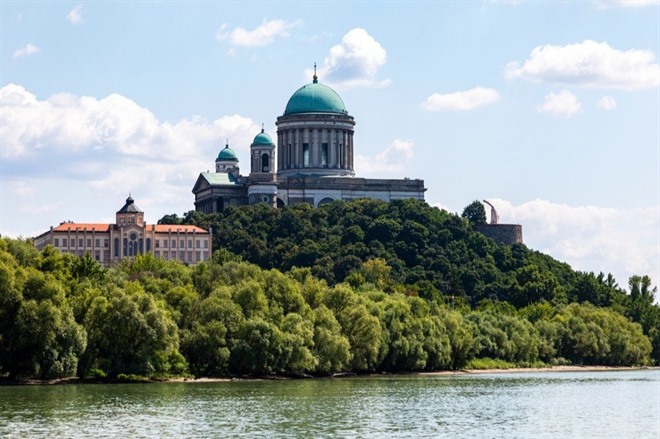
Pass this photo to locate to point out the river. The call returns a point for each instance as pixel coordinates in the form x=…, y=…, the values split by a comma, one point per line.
x=611, y=404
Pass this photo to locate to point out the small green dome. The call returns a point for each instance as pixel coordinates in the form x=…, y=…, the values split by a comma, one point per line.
x=227, y=154
x=262, y=139
x=315, y=98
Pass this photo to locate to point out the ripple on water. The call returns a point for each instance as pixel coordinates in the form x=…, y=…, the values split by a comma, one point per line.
x=602, y=404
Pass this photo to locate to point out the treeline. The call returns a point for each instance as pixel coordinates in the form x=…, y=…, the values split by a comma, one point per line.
x=62, y=316
x=430, y=251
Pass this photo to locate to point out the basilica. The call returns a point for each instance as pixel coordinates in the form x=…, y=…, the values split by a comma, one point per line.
x=311, y=163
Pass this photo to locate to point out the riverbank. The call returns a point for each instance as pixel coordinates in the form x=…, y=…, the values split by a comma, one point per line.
x=76, y=380
x=539, y=369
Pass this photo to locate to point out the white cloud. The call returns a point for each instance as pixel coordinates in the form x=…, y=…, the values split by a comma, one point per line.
x=590, y=238
x=22, y=188
x=563, y=103
x=607, y=103
x=41, y=209
x=75, y=15
x=354, y=62
x=589, y=64
x=65, y=124
x=461, y=100
x=263, y=35
x=29, y=49
x=627, y=3
x=391, y=160
x=88, y=151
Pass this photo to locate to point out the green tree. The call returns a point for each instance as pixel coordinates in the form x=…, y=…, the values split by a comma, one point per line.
x=475, y=213
x=331, y=348
x=130, y=332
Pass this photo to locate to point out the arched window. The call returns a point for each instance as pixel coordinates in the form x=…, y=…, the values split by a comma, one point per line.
x=324, y=155
x=265, y=163
x=305, y=155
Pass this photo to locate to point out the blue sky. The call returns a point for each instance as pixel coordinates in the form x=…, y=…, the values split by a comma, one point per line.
x=549, y=110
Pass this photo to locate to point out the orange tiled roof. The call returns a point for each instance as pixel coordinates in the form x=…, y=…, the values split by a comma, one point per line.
x=158, y=228
x=72, y=227
x=173, y=228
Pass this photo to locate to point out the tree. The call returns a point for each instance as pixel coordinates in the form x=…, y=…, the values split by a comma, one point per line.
x=475, y=213
x=171, y=218
x=331, y=348
x=130, y=332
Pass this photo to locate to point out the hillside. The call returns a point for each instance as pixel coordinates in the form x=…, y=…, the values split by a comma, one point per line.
x=360, y=286
x=429, y=251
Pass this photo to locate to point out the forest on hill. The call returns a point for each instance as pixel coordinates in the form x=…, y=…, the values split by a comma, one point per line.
x=361, y=286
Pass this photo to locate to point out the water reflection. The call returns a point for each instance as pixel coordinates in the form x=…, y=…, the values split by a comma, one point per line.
x=602, y=404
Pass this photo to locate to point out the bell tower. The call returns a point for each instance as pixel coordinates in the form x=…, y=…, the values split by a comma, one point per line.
x=263, y=185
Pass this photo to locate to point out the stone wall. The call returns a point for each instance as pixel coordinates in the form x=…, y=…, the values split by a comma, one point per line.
x=502, y=233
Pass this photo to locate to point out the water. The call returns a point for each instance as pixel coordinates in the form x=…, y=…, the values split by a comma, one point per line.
x=518, y=405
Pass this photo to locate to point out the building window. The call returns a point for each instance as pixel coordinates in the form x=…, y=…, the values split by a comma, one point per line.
x=182, y=243
x=190, y=243
x=174, y=243
x=190, y=256
x=80, y=242
x=206, y=243
x=98, y=243
x=198, y=243
x=63, y=242
x=324, y=155
x=116, y=247
x=265, y=163
x=165, y=241
x=305, y=155
x=89, y=242
x=97, y=255
x=182, y=256
x=158, y=243
x=197, y=256
x=148, y=244
x=105, y=243
x=57, y=242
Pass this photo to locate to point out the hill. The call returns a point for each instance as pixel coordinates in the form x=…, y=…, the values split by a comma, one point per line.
x=359, y=286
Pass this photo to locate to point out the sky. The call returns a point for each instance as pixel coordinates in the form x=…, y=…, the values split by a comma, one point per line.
x=549, y=110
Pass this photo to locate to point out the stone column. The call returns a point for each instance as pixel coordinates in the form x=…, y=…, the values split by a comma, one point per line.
x=313, y=147
x=350, y=151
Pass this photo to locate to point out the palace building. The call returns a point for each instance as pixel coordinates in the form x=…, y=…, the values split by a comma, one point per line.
x=311, y=163
x=128, y=237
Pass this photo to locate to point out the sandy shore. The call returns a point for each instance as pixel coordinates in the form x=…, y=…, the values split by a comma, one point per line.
x=74, y=380
x=538, y=369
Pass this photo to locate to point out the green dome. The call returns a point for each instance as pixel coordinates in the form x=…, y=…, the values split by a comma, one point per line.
x=227, y=154
x=262, y=139
x=315, y=98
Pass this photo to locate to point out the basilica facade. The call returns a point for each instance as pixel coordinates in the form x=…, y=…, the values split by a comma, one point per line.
x=311, y=163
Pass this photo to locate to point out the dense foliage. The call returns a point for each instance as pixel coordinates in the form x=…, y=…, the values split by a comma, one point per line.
x=362, y=286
